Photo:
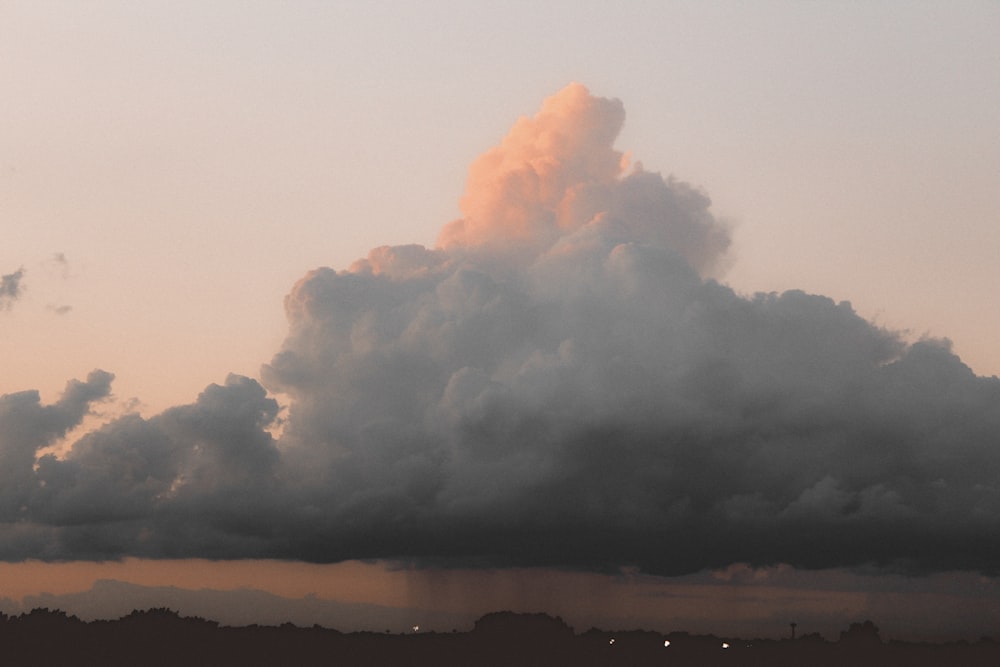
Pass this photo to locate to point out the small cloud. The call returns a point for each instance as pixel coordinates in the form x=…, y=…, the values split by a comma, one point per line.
x=58, y=264
x=11, y=288
x=59, y=310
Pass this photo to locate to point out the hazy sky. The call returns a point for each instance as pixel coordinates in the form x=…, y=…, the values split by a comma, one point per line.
x=190, y=161
x=169, y=172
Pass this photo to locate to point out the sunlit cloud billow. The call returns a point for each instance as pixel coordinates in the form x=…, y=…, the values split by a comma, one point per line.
x=561, y=381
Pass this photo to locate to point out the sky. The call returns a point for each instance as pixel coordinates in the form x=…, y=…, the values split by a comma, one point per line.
x=487, y=291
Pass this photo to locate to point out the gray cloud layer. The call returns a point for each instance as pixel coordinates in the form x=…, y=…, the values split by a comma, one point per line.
x=556, y=383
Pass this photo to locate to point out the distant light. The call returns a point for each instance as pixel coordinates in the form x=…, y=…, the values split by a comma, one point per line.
x=612, y=641
x=666, y=643
x=725, y=645
x=416, y=628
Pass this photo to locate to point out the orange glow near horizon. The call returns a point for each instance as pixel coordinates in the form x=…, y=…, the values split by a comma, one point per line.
x=351, y=581
x=737, y=599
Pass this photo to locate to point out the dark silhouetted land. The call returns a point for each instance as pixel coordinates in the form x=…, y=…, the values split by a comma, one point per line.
x=162, y=637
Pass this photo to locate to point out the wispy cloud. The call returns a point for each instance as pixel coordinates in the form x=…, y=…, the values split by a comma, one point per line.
x=59, y=264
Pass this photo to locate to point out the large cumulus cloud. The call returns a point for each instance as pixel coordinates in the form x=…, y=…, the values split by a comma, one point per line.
x=558, y=382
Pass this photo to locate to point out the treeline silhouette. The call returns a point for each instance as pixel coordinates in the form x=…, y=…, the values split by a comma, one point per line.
x=163, y=637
